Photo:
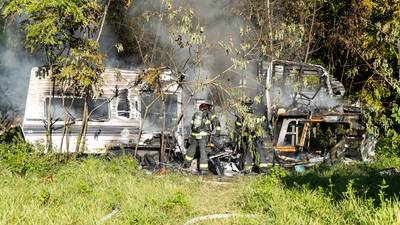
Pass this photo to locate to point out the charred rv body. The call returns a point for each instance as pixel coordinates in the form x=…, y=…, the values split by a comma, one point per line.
x=115, y=118
x=309, y=119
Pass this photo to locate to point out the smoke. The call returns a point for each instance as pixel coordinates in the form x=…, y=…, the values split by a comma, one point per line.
x=213, y=59
x=218, y=23
x=15, y=67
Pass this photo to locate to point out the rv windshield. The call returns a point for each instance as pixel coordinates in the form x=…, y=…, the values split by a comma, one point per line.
x=290, y=79
x=73, y=107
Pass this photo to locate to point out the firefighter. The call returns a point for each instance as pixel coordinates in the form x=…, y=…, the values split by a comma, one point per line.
x=203, y=123
x=249, y=130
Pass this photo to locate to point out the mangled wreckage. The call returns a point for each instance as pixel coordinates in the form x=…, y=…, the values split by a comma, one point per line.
x=307, y=120
x=115, y=118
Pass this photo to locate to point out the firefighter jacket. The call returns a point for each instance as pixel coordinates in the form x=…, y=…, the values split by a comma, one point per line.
x=203, y=123
x=251, y=126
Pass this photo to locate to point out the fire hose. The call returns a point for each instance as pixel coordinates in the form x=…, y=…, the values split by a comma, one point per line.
x=218, y=216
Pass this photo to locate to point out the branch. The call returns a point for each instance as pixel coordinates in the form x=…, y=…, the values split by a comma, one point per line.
x=103, y=20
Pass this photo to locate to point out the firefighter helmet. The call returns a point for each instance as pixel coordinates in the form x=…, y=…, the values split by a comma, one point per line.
x=245, y=100
x=205, y=105
x=248, y=104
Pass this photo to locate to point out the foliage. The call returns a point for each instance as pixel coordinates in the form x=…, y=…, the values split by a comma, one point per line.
x=53, y=25
x=81, y=75
x=339, y=195
x=22, y=158
x=63, y=30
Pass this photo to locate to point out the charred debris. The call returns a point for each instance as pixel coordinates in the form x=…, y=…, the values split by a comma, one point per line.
x=142, y=113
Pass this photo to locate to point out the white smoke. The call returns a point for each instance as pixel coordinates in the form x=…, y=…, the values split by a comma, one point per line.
x=15, y=67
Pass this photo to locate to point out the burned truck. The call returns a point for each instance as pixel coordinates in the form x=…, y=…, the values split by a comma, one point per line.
x=127, y=115
x=308, y=117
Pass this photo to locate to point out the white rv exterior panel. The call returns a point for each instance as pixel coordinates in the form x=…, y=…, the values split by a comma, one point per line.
x=114, y=131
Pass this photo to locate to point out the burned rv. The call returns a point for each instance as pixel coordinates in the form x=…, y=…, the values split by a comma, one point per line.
x=308, y=121
x=309, y=118
x=126, y=105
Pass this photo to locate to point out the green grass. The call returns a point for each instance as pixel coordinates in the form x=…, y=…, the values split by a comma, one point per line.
x=341, y=194
x=84, y=191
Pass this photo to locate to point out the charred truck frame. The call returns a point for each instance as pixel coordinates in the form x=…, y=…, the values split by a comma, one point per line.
x=115, y=118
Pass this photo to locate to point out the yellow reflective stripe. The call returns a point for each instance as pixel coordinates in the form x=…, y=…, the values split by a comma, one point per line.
x=188, y=158
x=208, y=122
x=191, y=121
x=248, y=167
x=238, y=124
x=218, y=128
x=202, y=166
x=202, y=133
x=213, y=116
x=263, y=165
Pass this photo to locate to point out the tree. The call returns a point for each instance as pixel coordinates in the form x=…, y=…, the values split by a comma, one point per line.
x=360, y=45
x=64, y=30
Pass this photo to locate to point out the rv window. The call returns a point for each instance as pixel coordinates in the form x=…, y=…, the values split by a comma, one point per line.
x=123, y=107
x=154, y=118
x=98, y=109
x=290, y=79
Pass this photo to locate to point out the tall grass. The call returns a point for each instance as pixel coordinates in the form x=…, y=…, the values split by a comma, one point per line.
x=299, y=199
x=84, y=191
x=48, y=189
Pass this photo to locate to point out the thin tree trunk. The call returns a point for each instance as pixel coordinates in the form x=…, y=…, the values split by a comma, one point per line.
x=83, y=128
x=86, y=121
x=162, y=151
x=146, y=111
x=66, y=118
x=310, y=33
x=67, y=138
x=49, y=133
x=103, y=20
x=271, y=38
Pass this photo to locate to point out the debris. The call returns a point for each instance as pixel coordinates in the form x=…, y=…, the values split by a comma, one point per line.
x=390, y=172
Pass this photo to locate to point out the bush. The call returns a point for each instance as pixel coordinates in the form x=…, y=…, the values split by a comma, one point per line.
x=20, y=158
x=389, y=145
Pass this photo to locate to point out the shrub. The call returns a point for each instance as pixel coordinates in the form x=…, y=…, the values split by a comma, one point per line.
x=20, y=158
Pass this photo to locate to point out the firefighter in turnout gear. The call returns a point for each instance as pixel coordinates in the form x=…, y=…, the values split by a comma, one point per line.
x=248, y=136
x=202, y=125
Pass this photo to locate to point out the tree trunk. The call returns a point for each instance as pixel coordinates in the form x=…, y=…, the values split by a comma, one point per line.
x=82, y=132
x=66, y=119
x=146, y=111
x=49, y=133
x=310, y=33
x=270, y=31
x=85, y=121
x=162, y=150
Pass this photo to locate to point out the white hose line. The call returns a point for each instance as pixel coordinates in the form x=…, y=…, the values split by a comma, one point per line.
x=104, y=219
x=217, y=216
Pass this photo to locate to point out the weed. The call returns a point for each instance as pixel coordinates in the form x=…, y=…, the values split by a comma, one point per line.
x=176, y=200
x=44, y=197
